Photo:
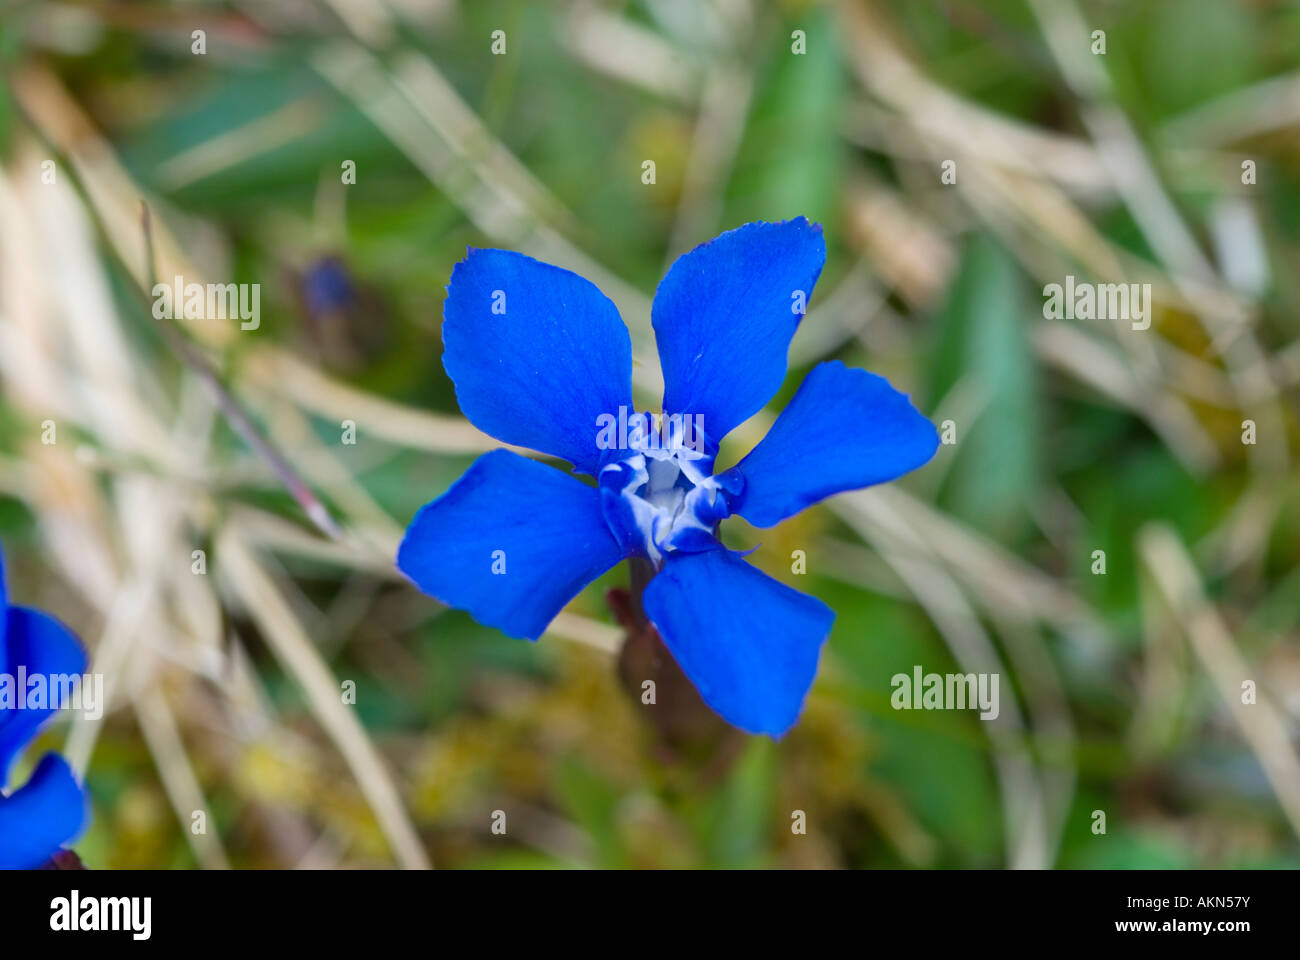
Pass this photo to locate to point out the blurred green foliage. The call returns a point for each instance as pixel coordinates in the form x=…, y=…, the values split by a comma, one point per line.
x=471, y=721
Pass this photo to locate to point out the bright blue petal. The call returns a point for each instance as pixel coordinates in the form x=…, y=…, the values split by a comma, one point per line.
x=41, y=645
x=724, y=316
x=47, y=812
x=542, y=526
x=844, y=429
x=749, y=643
x=542, y=372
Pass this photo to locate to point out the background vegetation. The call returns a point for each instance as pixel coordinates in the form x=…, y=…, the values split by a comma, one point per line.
x=1121, y=692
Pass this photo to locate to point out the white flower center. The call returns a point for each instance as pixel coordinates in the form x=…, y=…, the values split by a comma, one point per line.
x=668, y=494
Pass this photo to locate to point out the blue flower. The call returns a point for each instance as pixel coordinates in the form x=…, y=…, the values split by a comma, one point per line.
x=541, y=359
x=50, y=808
x=327, y=287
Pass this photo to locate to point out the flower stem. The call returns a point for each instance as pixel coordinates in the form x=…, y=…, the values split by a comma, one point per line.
x=685, y=728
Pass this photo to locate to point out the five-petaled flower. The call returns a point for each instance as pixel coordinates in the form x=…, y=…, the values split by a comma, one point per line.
x=50, y=808
x=540, y=358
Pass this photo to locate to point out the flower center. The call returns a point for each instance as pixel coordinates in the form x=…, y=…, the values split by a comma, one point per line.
x=659, y=498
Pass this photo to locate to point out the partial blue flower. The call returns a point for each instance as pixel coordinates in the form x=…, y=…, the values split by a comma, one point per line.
x=540, y=358
x=49, y=810
x=327, y=287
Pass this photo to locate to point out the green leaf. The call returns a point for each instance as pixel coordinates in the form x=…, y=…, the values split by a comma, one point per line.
x=1197, y=50
x=740, y=818
x=788, y=164
x=983, y=345
x=593, y=803
x=936, y=761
